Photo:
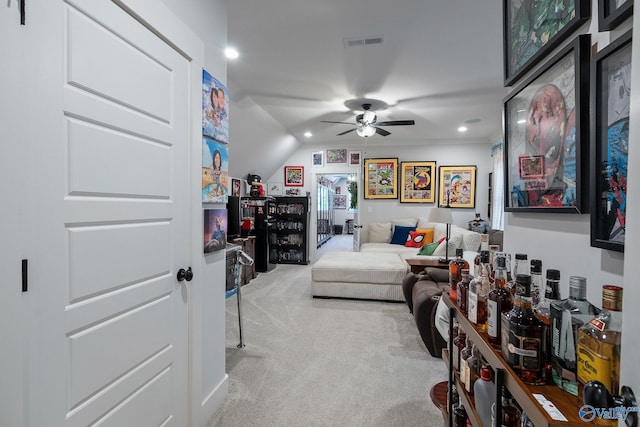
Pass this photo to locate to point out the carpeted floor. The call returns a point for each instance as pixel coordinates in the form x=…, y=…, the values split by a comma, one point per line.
x=324, y=362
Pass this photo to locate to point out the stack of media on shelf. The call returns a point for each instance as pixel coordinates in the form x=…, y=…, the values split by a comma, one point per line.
x=554, y=357
x=288, y=239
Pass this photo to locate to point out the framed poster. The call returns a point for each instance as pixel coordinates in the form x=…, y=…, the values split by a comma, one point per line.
x=215, y=172
x=215, y=230
x=337, y=155
x=612, y=12
x=236, y=186
x=417, y=182
x=610, y=104
x=355, y=158
x=381, y=178
x=317, y=159
x=544, y=122
x=294, y=176
x=532, y=28
x=215, y=109
x=274, y=189
x=457, y=186
x=340, y=201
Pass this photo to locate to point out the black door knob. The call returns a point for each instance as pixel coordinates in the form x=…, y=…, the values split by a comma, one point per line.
x=185, y=274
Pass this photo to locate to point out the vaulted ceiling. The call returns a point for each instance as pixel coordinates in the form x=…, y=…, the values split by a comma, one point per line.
x=439, y=63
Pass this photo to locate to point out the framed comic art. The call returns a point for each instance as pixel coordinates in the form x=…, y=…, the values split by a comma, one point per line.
x=545, y=137
x=337, y=155
x=610, y=104
x=613, y=12
x=457, y=186
x=532, y=28
x=294, y=176
x=339, y=201
x=317, y=159
x=354, y=158
x=381, y=178
x=417, y=182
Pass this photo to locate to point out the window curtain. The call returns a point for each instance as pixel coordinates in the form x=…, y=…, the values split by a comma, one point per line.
x=497, y=186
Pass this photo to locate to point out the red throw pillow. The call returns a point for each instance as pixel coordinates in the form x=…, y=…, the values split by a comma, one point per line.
x=415, y=239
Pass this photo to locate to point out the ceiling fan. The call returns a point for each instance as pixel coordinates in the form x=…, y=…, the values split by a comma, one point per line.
x=367, y=124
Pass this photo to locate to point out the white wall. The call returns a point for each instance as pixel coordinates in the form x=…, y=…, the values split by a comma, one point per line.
x=208, y=20
x=630, y=374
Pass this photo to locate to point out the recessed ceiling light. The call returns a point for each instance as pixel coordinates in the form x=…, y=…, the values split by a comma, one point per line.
x=231, y=53
x=521, y=121
x=308, y=134
x=462, y=129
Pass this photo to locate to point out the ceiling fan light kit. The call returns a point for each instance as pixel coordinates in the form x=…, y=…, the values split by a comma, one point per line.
x=366, y=123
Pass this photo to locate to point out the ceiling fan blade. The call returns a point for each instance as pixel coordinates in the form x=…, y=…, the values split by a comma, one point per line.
x=397, y=123
x=342, y=123
x=382, y=132
x=346, y=132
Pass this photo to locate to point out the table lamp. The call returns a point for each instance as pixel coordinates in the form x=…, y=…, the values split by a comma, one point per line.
x=443, y=215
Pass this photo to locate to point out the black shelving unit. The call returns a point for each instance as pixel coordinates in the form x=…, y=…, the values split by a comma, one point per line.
x=289, y=238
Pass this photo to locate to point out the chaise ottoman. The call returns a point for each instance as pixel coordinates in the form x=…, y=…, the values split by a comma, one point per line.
x=359, y=275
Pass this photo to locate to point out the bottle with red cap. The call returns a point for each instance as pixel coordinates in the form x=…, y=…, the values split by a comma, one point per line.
x=485, y=394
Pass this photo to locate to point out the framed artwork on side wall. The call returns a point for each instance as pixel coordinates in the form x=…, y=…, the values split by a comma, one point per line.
x=294, y=176
x=610, y=104
x=613, y=12
x=533, y=28
x=457, y=186
x=545, y=137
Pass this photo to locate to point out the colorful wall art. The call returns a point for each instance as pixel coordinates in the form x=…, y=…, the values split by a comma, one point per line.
x=215, y=230
x=215, y=172
x=215, y=108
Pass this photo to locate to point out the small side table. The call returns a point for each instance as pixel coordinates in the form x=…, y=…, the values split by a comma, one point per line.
x=417, y=264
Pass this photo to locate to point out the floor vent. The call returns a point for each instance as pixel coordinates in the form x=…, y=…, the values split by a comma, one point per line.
x=366, y=41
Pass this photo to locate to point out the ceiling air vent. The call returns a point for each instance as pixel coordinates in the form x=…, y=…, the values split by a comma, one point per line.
x=363, y=41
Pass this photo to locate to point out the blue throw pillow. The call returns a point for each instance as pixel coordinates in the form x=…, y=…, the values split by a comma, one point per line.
x=400, y=234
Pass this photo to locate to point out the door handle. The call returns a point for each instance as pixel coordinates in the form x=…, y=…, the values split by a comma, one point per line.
x=357, y=226
x=185, y=274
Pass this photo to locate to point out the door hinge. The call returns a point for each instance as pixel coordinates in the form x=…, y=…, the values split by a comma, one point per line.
x=25, y=284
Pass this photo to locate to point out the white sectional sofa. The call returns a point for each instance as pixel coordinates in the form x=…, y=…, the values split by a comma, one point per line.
x=377, y=271
x=376, y=237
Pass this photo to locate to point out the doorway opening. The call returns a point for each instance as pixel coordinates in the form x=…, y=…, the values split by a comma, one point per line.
x=335, y=212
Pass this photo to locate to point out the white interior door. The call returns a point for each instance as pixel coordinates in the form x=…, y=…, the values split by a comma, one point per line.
x=109, y=134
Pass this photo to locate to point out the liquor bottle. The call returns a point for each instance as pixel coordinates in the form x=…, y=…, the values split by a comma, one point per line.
x=460, y=416
x=472, y=369
x=493, y=250
x=542, y=310
x=464, y=359
x=522, y=336
x=484, y=246
x=499, y=301
x=510, y=413
x=599, y=343
x=455, y=273
x=567, y=316
x=458, y=344
x=478, y=291
x=519, y=267
x=536, y=280
x=463, y=291
x=484, y=392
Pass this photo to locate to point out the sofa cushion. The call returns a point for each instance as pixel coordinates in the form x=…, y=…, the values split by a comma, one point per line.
x=425, y=223
x=400, y=234
x=471, y=240
x=454, y=242
x=359, y=267
x=428, y=234
x=379, y=232
x=430, y=248
x=415, y=239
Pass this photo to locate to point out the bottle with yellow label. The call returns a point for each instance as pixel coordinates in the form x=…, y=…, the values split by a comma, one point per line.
x=598, y=348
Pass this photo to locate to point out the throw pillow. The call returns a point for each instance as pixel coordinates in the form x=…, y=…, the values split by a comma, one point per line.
x=379, y=232
x=429, y=248
x=415, y=239
x=400, y=234
x=455, y=241
x=428, y=234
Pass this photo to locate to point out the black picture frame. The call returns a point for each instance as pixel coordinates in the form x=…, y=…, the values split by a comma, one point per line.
x=611, y=74
x=532, y=40
x=610, y=16
x=546, y=115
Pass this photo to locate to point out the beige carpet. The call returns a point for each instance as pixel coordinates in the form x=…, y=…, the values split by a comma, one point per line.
x=324, y=362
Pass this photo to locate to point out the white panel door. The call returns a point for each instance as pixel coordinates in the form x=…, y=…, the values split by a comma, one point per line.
x=108, y=331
